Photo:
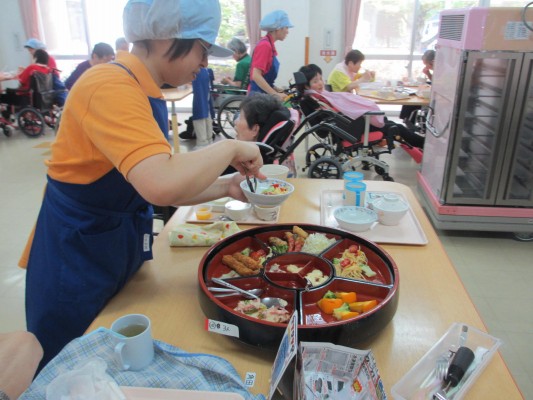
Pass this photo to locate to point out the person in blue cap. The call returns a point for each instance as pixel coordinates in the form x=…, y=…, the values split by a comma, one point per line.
x=110, y=161
x=265, y=64
x=35, y=44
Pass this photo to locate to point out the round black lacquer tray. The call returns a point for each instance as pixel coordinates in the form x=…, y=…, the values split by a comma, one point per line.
x=313, y=324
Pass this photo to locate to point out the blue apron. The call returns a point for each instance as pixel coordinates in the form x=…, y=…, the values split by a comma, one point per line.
x=270, y=76
x=89, y=241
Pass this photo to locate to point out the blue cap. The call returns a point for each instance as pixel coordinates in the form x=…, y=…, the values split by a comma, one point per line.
x=35, y=44
x=174, y=19
x=275, y=20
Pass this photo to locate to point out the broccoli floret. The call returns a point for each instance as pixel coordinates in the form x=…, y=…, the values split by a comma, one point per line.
x=337, y=313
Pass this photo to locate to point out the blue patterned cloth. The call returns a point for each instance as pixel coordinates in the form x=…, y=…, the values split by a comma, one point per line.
x=172, y=368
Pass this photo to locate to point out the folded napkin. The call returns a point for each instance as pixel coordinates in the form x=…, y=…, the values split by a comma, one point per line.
x=201, y=235
x=172, y=368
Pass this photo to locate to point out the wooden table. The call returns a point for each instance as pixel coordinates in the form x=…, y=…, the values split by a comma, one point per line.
x=412, y=100
x=173, y=95
x=432, y=297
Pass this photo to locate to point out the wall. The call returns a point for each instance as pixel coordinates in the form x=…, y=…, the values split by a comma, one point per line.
x=12, y=51
x=326, y=15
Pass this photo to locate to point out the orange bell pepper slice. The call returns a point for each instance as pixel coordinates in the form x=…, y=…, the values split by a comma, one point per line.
x=328, y=305
x=349, y=314
x=347, y=297
x=363, y=306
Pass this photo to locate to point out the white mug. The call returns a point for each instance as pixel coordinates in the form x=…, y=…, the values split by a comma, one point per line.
x=134, y=347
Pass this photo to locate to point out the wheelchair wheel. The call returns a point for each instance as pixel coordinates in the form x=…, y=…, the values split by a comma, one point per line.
x=31, y=122
x=325, y=168
x=227, y=114
x=317, y=151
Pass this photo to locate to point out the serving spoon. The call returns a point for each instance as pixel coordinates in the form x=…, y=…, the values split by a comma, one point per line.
x=267, y=301
x=223, y=292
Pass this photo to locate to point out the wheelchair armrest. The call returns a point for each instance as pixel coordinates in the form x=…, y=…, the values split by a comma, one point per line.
x=370, y=113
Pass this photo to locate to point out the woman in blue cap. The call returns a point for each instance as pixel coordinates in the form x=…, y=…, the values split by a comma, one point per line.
x=110, y=161
x=35, y=44
x=265, y=65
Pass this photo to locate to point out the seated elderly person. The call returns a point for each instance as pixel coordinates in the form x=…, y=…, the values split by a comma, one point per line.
x=242, y=69
x=102, y=53
x=254, y=120
x=354, y=106
x=21, y=96
x=346, y=77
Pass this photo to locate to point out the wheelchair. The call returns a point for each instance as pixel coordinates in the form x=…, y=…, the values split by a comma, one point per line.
x=226, y=102
x=37, y=108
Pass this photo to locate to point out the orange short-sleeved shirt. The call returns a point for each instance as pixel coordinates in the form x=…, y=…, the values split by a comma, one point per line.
x=107, y=123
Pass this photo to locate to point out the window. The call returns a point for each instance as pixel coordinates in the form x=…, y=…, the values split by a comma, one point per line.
x=394, y=34
x=233, y=25
x=87, y=22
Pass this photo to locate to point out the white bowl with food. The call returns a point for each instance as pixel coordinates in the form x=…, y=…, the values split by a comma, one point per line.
x=390, y=209
x=269, y=192
x=355, y=219
x=276, y=171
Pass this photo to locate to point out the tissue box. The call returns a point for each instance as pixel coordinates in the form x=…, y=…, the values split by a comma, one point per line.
x=482, y=344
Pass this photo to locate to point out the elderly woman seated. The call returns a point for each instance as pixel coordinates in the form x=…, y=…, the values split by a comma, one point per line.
x=354, y=106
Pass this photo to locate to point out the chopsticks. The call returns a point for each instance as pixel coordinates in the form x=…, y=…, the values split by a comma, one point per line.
x=248, y=181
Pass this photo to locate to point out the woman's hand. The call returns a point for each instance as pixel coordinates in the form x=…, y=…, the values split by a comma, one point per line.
x=234, y=190
x=247, y=159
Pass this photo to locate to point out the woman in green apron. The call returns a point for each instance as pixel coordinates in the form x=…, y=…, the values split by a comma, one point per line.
x=111, y=160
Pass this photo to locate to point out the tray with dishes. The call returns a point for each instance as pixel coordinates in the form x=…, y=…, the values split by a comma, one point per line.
x=243, y=213
x=408, y=230
x=343, y=288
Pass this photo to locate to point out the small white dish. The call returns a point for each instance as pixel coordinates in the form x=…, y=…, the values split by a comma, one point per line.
x=390, y=209
x=237, y=210
x=355, y=219
x=275, y=171
x=219, y=204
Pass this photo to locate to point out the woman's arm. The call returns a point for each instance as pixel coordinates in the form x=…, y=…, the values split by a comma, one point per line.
x=20, y=354
x=257, y=77
x=189, y=178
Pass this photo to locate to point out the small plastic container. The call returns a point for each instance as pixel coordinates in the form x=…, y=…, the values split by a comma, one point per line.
x=203, y=212
x=410, y=386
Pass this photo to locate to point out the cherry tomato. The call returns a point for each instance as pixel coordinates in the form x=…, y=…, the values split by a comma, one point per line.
x=353, y=248
x=256, y=255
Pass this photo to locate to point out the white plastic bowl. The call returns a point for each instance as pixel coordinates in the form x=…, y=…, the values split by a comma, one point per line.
x=275, y=171
x=267, y=199
x=355, y=219
x=390, y=209
x=237, y=210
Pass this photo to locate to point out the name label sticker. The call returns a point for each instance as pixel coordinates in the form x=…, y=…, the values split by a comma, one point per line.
x=221, y=327
x=146, y=242
x=249, y=379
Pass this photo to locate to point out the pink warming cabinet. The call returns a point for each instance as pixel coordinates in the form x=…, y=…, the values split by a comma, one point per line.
x=477, y=171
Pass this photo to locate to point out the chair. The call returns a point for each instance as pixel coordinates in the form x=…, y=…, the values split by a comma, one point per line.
x=276, y=132
x=360, y=150
x=32, y=118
